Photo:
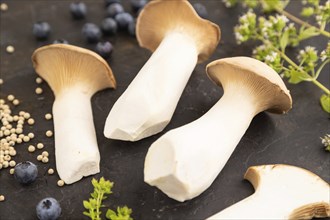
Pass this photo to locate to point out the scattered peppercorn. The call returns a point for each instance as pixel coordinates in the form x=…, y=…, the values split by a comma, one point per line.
x=11, y=132
x=60, y=183
x=48, y=116
x=50, y=171
x=45, y=154
x=45, y=160
x=49, y=133
x=39, y=157
x=39, y=80
x=31, y=148
x=26, y=138
x=15, y=102
x=31, y=135
x=30, y=121
x=10, y=97
x=12, y=163
x=40, y=145
x=10, y=49
x=38, y=90
x=3, y=7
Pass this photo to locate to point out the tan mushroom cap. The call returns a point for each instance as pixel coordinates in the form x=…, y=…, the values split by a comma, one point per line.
x=263, y=82
x=64, y=66
x=301, y=188
x=160, y=17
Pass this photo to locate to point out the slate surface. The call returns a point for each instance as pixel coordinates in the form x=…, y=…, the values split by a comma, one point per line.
x=290, y=139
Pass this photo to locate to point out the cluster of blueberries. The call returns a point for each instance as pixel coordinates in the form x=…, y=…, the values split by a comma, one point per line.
x=117, y=19
x=48, y=208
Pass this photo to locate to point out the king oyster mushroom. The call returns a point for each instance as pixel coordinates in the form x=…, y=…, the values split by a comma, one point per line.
x=74, y=74
x=179, y=39
x=185, y=161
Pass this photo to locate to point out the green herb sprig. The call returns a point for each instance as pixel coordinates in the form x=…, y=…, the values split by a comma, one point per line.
x=276, y=33
x=326, y=142
x=94, y=204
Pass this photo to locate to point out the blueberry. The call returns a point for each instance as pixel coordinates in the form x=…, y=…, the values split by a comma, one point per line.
x=114, y=9
x=60, y=41
x=109, y=2
x=104, y=49
x=78, y=10
x=138, y=4
x=41, y=30
x=26, y=172
x=200, y=9
x=48, y=209
x=123, y=20
x=109, y=26
x=131, y=28
x=91, y=32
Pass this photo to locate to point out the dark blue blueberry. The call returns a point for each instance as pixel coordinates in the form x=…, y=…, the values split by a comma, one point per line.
x=91, y=32
x=78, y=10
x=26, y=172
x=201, y=10
x=41, y=30
x=48, y=209
x=109, y=26
x=104, y=49
x=60, y=41
x=123, y=20
x=131, y=28
x=138, y=4
x=114, y=9
x=109, y=2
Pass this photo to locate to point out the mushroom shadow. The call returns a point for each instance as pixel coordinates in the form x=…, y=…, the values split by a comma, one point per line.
x=261, y=125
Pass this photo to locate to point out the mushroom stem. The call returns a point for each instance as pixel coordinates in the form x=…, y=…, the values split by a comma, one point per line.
x=193, y=155
x=250, y=205
x=150, y=100
x=76, y=151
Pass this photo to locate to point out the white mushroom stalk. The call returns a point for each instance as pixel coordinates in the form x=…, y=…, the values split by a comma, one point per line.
x=173, y=30
x=185, y=161
x=74, y=74
x=282, y=192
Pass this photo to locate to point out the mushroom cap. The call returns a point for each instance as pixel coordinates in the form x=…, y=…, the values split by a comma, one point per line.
x=160, y=17
x=64, y=66
x=263, y=82
x=305, y=193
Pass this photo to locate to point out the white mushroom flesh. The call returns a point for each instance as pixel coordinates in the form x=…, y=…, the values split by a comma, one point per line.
x=147, y=105
x=283, y=192
x=185, y=161
x=76, y=151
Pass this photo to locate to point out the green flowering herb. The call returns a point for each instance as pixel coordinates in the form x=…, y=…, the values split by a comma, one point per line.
x=123, y=213
x=94, y=204
x=276, y=33
x=311, y=8
x=326, y=142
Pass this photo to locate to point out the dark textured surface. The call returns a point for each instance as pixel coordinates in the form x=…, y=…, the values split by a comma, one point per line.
x=290, y=139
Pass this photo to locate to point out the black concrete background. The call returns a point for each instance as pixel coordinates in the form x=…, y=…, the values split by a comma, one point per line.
x=290, y=139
